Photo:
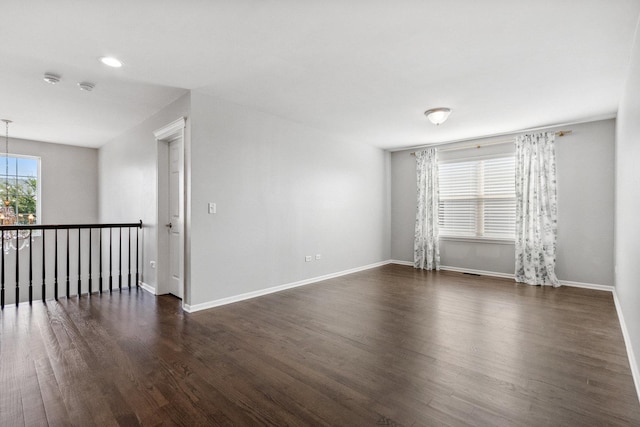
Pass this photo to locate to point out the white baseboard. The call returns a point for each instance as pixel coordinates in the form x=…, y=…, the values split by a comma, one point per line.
x=570, y=283
x=148, y=288
x=479, y=272
x=597, y=287
x=241, y=297
x=459, y=269
x=635, y=371
x=397, y=261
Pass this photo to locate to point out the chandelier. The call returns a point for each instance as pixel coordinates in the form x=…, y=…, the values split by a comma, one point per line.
x=8, y=215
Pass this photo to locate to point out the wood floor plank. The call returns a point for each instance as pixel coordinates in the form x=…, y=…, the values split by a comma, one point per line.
x=54, y=406
x=386, y=346
x=11, y=335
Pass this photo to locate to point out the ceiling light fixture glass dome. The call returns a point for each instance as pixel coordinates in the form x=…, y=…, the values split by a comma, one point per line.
x=438, y=116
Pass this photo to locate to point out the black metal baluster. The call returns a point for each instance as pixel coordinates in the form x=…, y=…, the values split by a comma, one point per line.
x=137, y=274
x=110, y=260
x=68, y=284
x=129, y=258
x=79, y=264
x=90, y=262
x=30, y=268
x=100, y=264
x=2, y=268
x=55, y=267
x=120, y=261
x=17, y=269
x=44, y=275
x=8, y=235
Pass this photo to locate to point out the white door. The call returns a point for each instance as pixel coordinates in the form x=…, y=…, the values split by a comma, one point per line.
x=176, y=218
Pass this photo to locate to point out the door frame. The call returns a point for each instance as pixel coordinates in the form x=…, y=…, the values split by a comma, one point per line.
x=165, y=135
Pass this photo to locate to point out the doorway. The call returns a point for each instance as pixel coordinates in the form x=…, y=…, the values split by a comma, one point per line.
x=175, y=218
x=171, y=209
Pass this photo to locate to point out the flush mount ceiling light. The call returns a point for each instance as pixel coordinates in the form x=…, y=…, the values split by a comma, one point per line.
x=86, y=86
x=437, y=115
x=51, y=78
x=111, y=61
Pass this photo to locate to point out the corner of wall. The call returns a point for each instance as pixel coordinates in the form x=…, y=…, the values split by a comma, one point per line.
x=627, y=204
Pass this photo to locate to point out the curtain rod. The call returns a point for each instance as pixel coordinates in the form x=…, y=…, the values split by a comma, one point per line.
x=504, y=141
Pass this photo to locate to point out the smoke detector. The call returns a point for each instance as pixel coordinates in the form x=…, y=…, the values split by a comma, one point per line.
x=86, y=86
x=51, y=78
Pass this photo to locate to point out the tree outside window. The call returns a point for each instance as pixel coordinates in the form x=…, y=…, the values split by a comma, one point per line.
x=20, y=187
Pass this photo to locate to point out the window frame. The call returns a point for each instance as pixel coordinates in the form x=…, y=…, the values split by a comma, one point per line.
x=477, y=238
x=38, y=159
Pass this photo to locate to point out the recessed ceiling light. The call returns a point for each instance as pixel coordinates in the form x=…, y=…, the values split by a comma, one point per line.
x=51, y=78
x=86, y=86
x=111, y=61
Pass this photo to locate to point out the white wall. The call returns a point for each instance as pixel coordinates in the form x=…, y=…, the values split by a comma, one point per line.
x=128, y=180
x=68, y=178
x=627, y=232
x=585, y=162
x=283, y=191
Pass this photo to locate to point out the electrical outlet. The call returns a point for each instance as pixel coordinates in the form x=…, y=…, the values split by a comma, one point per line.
x=307, y=258
x=318, y=257
x=153, y=264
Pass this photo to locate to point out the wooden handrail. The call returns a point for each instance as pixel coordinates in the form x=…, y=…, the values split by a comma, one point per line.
x=68, y=226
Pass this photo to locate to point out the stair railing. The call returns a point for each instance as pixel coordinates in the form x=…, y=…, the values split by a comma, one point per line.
x=75, y=266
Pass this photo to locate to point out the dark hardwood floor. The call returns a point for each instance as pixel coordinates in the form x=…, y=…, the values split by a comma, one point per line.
x=390, y=346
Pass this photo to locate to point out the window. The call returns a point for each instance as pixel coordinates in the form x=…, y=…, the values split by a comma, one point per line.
x=477, y=198
x=19, y=175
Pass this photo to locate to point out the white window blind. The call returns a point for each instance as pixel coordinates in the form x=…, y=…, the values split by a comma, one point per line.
x=477, y=198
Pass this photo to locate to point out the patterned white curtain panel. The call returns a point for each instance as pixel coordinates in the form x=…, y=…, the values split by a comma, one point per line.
x=426, y=250
x=536, y=209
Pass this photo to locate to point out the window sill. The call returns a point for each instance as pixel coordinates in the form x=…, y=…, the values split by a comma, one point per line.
x=491, y=240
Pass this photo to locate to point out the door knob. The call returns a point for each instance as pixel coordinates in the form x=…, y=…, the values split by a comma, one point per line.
x=169, y=225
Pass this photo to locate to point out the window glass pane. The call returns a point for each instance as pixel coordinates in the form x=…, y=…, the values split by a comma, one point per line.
x=19, y=184
x=499, y=218
x=458, y=179
x=499, y=176
x=457, y=217
x=477, y=198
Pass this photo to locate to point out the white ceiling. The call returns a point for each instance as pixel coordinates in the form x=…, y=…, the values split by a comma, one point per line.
x=359, y=70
